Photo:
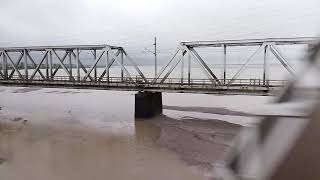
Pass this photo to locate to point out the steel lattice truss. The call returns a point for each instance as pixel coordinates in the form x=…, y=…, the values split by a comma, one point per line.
x=69, y=58
x=65, y=66
x=264, y=45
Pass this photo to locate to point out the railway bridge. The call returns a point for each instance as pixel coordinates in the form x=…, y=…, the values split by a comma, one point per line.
x=64, y=67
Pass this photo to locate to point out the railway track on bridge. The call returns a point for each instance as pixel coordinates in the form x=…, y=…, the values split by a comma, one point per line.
x=240, y=86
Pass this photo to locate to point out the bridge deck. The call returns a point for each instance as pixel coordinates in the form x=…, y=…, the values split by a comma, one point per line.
x=241, y=86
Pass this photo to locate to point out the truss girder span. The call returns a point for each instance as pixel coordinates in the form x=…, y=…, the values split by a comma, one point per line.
x=187, y=51
x=79, y=63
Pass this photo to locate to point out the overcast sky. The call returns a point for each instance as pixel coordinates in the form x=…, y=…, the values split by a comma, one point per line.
x=134, y=23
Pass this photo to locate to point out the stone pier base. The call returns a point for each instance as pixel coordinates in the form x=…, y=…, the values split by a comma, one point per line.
x=148, y=104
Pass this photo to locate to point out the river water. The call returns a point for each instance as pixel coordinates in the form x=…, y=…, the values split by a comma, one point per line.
x=87, y=134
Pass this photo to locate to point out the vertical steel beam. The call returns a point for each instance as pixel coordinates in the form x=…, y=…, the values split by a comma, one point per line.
x=70, y=63
x=121, y=57
x=110, y=64
x=224, y=63
x=189, y=68
x=25, y=64
x=182, y=67
x=155, y=57
x=5, y=65
x=107, y=66
x=1, y=74
x=118, y=61
x=47, y=67
x=95, y=67
x=78, y=63
x=50, y=66
x=266, y=65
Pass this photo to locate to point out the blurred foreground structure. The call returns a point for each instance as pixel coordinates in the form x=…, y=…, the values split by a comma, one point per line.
x=285, y=146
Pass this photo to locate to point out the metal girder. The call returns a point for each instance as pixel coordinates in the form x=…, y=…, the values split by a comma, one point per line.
x=44, y=48
x=109, y=64
x=212, y=77
x=265, y=75
x=172, y=68
x=276, y=52
x=35, y=65
x=247, y=62
x=1, y=74
x=38, y=67
x=17, y=64
x=252, y=42
x=134, y=65
x=26, y=64
x=77, y=56
x=59, y=66
x=80, y=65
x=63, y=66
x=164, y=68
x=13, y=65
x=115, y=57
x=93, y=65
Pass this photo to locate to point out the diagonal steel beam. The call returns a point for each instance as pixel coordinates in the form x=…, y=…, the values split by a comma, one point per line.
x=59, y=66
x=166, y=66
x=63, y=66
x=1, y=74
x=93, y=65
x=38, y=67
x=135, y=66
x=176, y=62
x=118, y=61
x=81, y=65
x=13, y=65
x=35, y=65
x=247, y=62
x=105, y=70
x=211, y=76
x=17, y=64
x=276, y=52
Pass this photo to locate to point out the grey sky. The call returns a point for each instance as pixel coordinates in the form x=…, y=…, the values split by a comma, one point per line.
x=134, y=23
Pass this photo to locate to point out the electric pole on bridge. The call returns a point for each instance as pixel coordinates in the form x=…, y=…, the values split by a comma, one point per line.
x=155, y=55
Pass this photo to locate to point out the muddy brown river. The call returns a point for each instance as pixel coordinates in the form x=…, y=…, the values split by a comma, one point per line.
x=79, y=134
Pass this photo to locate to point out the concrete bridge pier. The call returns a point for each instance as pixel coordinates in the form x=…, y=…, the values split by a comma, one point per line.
x=148, y=104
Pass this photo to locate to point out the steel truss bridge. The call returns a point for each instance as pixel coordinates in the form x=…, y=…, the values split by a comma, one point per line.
x=34, y=66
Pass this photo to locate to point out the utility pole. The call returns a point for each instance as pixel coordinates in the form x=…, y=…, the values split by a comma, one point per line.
x=154, y=52
x=155, y=57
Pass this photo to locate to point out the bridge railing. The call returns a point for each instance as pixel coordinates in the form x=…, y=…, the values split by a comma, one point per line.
x=138, y=81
